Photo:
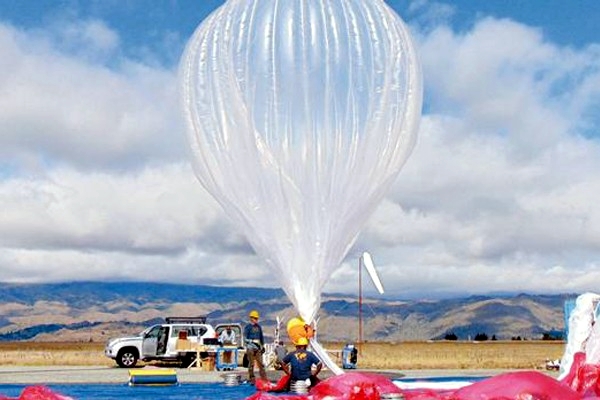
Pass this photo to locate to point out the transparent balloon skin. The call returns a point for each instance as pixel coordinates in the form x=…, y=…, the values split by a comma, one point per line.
x=300, y=116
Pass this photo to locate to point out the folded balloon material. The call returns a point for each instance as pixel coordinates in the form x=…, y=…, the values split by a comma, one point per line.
x=349, y=386
x=355, y=386
x=37, y=393
x=521, y=385
x=582, y=377
x=268, y=386
x=517, y=385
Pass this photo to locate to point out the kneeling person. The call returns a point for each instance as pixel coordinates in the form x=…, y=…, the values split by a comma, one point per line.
x=298, y=364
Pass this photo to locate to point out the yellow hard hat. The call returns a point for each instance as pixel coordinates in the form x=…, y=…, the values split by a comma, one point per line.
x=296, y=321
x=302, y=341
x=254, y=314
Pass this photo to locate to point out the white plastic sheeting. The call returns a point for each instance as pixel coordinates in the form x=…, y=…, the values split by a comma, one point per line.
x=324, y=357
x=301, y=114
x=584, y=333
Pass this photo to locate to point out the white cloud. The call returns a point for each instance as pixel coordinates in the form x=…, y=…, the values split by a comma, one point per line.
x=154, y=210
x=58, y=109
x=95, y=180
x=157, y=224
x=91, y=39
x=430, y=13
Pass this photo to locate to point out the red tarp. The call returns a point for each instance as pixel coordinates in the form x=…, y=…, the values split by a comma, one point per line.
x=582, y=383
x=37, y=393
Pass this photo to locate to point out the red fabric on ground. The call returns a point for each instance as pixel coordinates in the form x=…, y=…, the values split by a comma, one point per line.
x=349, y=386
x=268, y=386
x=517, y=385
x=583, y=378
x=269, y=396
x=41, y=393
x=571, y=379
x=587, y=379
x=354, y=386
x=584, y=384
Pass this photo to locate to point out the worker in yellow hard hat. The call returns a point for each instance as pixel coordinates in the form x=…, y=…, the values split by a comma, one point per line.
x=254, y=342
x=301, y=364
x=297, y=328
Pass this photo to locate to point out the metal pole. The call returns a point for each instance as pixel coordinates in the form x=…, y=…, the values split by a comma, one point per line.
x=360, y=332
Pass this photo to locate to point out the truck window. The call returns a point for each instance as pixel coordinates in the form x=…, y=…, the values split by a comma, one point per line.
x=198, y=330
x=153, y=332
x=176, y=329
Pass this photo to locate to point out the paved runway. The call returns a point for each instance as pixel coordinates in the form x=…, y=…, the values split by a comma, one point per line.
x=48, y=375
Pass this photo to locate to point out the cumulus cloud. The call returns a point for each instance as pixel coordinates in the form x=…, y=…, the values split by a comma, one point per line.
x=147, y=225
x=57, y=108
x=94, y=177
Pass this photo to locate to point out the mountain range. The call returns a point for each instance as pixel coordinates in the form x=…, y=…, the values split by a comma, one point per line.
x=96, y=311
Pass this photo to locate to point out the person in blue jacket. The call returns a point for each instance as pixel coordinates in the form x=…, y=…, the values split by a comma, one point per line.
x=299, y=364
x=254, y=342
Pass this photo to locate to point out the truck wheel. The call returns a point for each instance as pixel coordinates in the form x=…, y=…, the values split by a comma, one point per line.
x=127, y=358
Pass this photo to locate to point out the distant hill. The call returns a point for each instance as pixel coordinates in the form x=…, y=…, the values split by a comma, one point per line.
x=95, y=311
x=89, y=293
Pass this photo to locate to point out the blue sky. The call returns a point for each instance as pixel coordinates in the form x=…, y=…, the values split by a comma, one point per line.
x=571, y=24
x=500, y=194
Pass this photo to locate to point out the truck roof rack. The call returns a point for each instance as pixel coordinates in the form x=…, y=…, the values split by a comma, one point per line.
x=201, y=319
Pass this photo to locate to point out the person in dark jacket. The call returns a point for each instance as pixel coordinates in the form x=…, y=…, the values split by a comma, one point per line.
x=255, y=344
x=299, y=364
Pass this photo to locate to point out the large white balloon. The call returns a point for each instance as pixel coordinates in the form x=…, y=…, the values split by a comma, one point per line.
x=301, y=113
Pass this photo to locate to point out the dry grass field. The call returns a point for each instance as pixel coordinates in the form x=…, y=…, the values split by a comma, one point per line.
x=460, y=355
x=405, y=355
x=52, y=353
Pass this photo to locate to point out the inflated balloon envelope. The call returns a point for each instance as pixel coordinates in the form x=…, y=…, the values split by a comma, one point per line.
x=301, y=115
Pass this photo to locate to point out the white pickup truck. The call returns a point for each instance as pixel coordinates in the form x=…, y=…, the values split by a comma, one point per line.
x=159, y=342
